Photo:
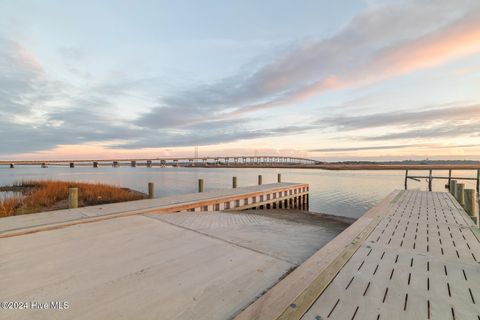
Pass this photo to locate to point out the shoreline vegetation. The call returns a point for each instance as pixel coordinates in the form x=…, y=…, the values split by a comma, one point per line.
x=47, y=195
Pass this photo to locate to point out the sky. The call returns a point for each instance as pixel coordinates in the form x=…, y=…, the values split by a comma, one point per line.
x=329, y=80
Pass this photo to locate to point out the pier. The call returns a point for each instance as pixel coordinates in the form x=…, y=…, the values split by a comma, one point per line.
x=218, y=255
x=413, y=256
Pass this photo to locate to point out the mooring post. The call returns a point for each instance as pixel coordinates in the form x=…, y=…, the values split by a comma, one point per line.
x=461, y=194
x=453, y=188
x=478, y=180
x=449, y=177
x=430, y=180
x=12, y=165
x=72, y=198
x=151, y=190
x=234, y=182
x=279, y=178
x=471, y=203
x=95, y=164
x=406, y=179
x=72, y=165
x=259, y=179
x=200, y=185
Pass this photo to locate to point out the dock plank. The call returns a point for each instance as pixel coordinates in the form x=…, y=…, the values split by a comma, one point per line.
x=425, y=265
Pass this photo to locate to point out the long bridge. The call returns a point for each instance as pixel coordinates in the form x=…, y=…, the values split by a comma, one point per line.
x=257, y=161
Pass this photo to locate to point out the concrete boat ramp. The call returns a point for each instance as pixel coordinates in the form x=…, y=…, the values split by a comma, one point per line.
x=413, y=256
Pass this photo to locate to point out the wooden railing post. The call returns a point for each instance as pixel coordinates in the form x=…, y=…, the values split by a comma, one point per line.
x=279, y=178
x=406, y=179
x=259, y=179
x=72, y=198
x=200, y=185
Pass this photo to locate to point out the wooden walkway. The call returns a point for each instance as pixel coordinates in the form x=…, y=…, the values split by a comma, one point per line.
x=267, y=196
x=414, y=256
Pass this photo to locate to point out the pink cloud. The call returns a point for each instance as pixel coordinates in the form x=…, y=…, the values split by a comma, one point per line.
x=450, y=42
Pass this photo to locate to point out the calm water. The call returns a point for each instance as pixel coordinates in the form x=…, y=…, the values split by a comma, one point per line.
x=347, y=193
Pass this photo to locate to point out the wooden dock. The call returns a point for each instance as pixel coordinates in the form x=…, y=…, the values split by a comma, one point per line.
x=415, y=255
x=268, y=196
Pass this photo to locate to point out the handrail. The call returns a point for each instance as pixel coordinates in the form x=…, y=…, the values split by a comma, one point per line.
x=431, y=177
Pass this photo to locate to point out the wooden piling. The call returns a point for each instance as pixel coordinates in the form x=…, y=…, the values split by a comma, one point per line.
x=461, y=194
x=279, y=178
x=234, y=182
x=95, y=164
x=478, y=180
x=72, y=198
x=471, y=202
x=449, y=177
x=200, y=185
x=406, y=179
x=453, y=188
x=430, y=180
x=12, y=165
x=72, y=165
x=259, y=179
x=151, y=190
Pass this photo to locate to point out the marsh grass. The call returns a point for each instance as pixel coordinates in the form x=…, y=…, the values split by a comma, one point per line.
x=44, y=195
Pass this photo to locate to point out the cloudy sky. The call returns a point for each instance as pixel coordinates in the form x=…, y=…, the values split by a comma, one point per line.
x=330, y=80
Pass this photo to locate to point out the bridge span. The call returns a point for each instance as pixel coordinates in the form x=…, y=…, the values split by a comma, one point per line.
x=239, y=161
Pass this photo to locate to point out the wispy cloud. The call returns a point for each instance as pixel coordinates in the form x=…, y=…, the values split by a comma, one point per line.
x=392, y=147
x=350, y=149
x=361, y=56
x=402, y=118
x=444, y=130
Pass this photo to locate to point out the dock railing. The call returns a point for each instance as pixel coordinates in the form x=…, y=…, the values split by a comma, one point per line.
x=449, y=178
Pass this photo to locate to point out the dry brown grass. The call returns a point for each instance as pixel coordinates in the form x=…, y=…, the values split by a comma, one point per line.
x=50, y=195
x=9, y=205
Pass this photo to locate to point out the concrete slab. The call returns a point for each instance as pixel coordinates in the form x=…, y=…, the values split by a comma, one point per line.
x=283, y=234
x=189, y=266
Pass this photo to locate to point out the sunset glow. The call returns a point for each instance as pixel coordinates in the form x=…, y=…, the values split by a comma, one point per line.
x=371, y=81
